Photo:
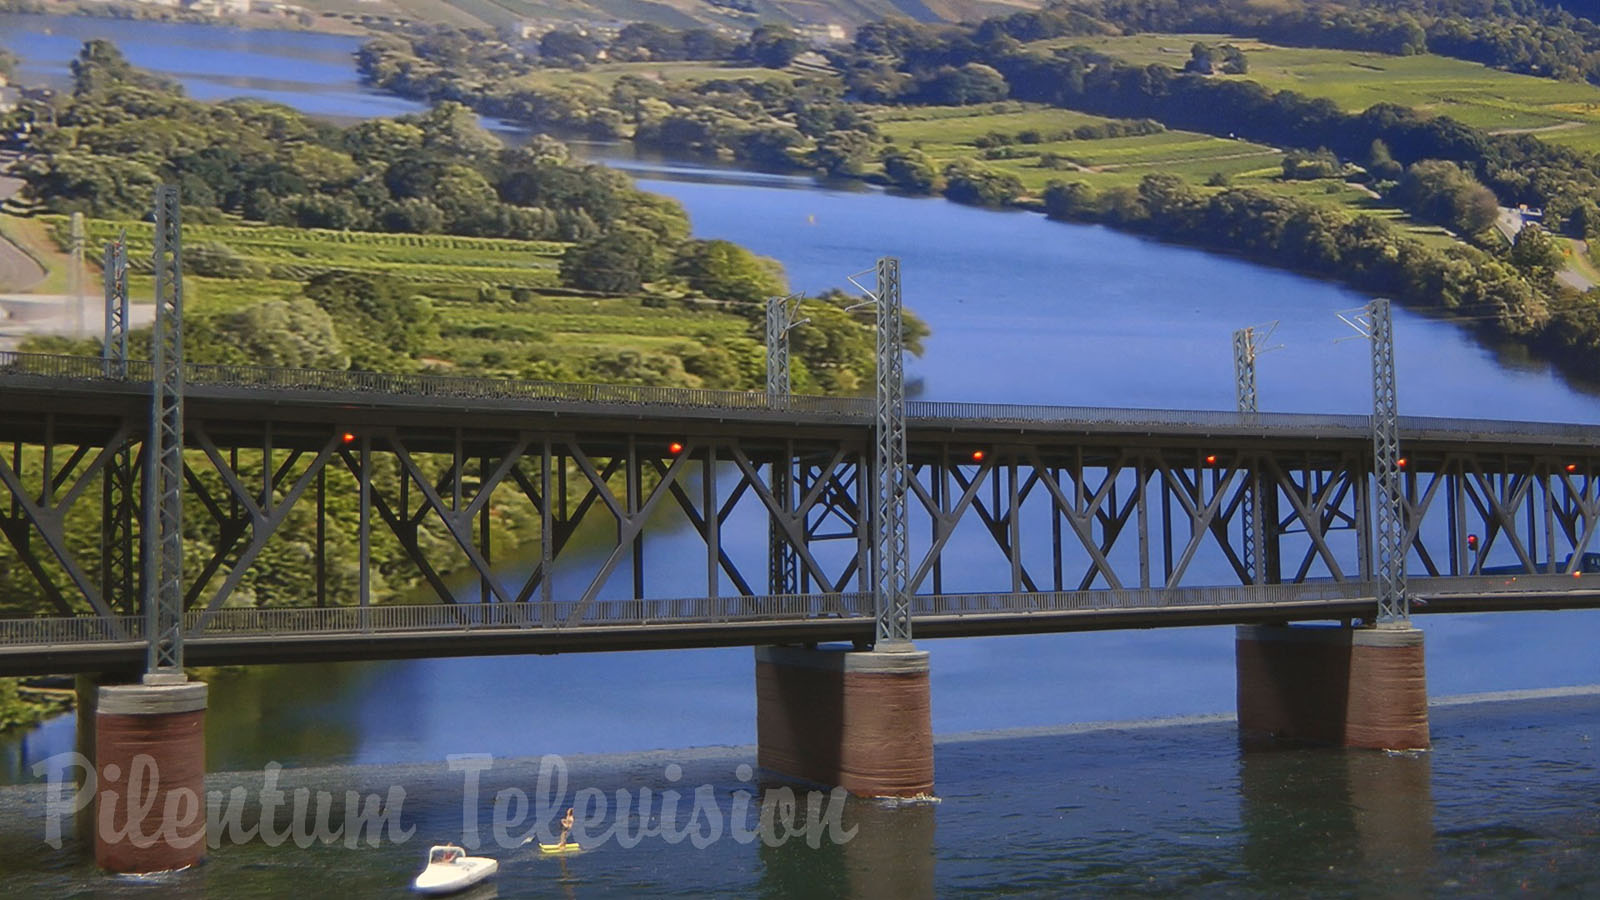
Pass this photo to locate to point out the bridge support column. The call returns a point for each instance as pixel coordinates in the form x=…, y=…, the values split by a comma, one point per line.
x=150, y=766
x=860, y=720
x=1350, y=687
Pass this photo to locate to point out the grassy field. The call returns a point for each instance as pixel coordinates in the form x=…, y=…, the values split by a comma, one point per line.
x=947, y=133
x=1557, y=111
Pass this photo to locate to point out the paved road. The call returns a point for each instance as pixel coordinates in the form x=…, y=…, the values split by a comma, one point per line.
x=18, y=271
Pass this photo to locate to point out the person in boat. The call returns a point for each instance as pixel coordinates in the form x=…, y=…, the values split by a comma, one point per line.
x=566, y=829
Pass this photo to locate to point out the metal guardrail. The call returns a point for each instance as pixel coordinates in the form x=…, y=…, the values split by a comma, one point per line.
x=457, y=387
x=562, y=616
x=566, y=615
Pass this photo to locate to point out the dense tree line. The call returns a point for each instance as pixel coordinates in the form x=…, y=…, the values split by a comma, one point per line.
x=779, y=123
x=1514, y=297
x=122, y=131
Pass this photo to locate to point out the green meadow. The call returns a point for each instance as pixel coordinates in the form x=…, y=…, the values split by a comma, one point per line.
x=949, y=133
x=1561, y=112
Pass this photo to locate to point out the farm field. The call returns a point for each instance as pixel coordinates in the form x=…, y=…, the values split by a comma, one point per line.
x=948, y=133
x=298, y=254
x=1560, y=112
x=500, y=308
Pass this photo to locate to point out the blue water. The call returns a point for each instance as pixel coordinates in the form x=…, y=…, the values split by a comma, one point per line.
x=311, y=72
x=1022, y=310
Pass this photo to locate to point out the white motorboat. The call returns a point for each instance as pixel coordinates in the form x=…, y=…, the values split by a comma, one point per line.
x=450, y=869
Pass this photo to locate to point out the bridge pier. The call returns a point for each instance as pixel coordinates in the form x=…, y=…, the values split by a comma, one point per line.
x=858, y=719
x=1349, y=687
x=147, y=744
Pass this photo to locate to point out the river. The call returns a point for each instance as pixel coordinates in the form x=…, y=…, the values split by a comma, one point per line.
x=1022, y=310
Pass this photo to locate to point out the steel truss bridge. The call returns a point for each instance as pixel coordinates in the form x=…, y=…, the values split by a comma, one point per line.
x=1022, y=518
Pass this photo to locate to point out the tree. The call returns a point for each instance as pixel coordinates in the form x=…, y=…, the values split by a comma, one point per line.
x=1233, y=60
x=842, y=152
x=727, y=271
x=1071, y=200
x=292, y=333
x=381, y=321
x=1536, y=253
x=1202, y=59
x=971, y=182
x=912, y=171
x=774, y=46
x=616, y=263
x=560, y=45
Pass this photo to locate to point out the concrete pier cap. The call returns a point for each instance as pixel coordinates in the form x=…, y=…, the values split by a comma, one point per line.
x=1350, y=687
x=856, y=719
x=149, y=759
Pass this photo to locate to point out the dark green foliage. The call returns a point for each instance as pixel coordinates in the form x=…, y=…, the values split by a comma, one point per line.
x=727, y=271
x=435, y=172
x=774, y=46
x=1442, y=192
x=618, y=263
x=381, y=321
x=913, y=171
x=1299, y=165
x=976, y=184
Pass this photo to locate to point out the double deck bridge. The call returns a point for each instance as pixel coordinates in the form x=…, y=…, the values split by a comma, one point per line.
x=1022, y=518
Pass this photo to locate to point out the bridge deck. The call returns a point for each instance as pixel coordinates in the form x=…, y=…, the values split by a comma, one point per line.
x=242, y=636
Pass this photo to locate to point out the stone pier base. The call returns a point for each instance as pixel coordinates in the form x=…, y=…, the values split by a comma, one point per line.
x=150, y=766
x=856, y=719
x=1363, y=687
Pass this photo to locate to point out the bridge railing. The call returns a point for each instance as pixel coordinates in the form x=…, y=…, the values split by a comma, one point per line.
x=568, y=615
x=462, y=387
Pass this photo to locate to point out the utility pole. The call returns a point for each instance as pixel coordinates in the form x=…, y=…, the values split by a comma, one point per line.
x=1248, y=343
x=783, y=576
x=1373, y=323
x=163, y=485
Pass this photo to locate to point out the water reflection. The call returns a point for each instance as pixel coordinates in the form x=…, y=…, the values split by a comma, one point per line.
x=891, y=856
x=1309, y=813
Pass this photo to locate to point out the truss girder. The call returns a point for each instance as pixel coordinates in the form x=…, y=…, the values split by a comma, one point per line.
x=993, y=515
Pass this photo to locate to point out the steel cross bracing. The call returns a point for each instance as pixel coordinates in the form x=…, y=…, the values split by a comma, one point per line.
x=163, y=457
x=591, y=520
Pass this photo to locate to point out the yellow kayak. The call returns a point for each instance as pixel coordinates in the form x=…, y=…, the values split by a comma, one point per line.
x=557, y=848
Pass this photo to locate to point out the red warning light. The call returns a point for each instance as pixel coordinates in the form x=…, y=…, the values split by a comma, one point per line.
x=349, y=438
x=1401, y=462
x=674, y=448
x=1472, y=542
x=1571, y=467
x=1211, y=460
x=977, y=456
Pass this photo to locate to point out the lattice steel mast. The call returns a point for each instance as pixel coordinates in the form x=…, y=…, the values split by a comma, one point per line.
x=890, y=567
x=1247, y=344
x=75, y=280
x=117, y=497
x=1389, y=538
x=163, y=485
x=114, y=344
x=783, y=576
